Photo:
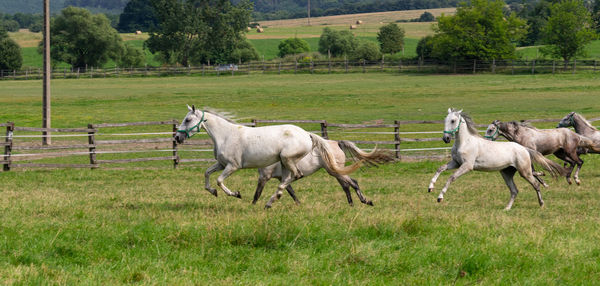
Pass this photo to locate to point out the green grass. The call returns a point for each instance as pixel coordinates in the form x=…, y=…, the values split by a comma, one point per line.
x=158, y=226
x=592, y=51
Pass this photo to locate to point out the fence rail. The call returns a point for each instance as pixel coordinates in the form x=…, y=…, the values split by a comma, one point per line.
x=322, y=66
x=20, y=151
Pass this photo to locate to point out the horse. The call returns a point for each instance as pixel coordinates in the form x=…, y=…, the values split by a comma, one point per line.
x=313, y=162
x=581, y=126
x=562, y=142
x=472, y=152
x=240, y=147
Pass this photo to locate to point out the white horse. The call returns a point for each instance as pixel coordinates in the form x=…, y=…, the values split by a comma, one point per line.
x=313, y=162
x=241, y=147
x=473, y=152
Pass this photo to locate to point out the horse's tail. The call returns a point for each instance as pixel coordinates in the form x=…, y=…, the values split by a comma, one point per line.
x=549, y=165
x=324, y=150
x=588, y=143
x=372, y=158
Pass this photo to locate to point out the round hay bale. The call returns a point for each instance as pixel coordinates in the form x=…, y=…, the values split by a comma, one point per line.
x=358, y=22
x=260, y=30
x=352, y=27
x=138, y=32
x=249, y=29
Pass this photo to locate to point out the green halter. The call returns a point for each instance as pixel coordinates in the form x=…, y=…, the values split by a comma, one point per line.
x=187, y=131
x=493, y=135
x=571, y=121
x=451, y=132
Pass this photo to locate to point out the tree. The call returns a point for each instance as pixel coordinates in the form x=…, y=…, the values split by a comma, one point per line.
x=131, y=57
x=391, y=38
x=292, y=46
x=138, y=15
x=568, y=30
x=477, y=31
x=199, y=31
x=338, y=43
x=426, y=17
x=366, y=50
x=596, y=15
x=10, y=52
x=536, y=14
x=425, y=47
x=81, y=39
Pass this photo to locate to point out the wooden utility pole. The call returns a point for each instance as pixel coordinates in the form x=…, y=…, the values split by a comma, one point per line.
x=308, y=12
x=46, y=140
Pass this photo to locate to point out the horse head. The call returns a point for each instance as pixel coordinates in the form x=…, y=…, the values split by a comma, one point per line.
x=567, y=121
x=492, y=131
x=190, y=125
x=451, y=124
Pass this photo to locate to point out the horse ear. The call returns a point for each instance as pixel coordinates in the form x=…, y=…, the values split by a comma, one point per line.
x=460, y=111
x=193, y=108
x=189, y=108
x=450, y=110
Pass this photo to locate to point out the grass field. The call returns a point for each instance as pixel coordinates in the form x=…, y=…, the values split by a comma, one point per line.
x=158, y=226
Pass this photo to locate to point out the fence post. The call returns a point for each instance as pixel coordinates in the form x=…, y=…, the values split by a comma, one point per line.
x=533, y=67
x=92, y=146
x=279, y=70
x=78, y=73
x=92, y=72
x=363, y=64
x=574, y=65
x=253, y=122
x=595, y=65
x=175, y=154
x=400, y=66
x=397, y=138
x=8, y=147
x=553, y=66
x=493, y=65
x=382, y=61
x=311, y=66
x=474, y=66
x=346, y=63
x=329, y=61
x=324, y=129
x=513, y=67
x=295, y=66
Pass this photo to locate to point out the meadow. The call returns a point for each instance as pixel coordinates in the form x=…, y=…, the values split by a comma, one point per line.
x=159, y=226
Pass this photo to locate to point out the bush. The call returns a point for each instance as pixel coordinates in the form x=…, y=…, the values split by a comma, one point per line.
x=10, y=53
x=10, y=25
x=36, y=27
x=131, y=57
x=425, y=47
x=391, y=38
x=426, y=17
x=293, y=46
x=244, y=52
x=366, y=50
x=338, y=43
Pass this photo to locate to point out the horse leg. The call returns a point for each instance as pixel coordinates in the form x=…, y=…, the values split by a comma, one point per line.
x=262, y=181
x=538, y=177
x=526, y=174
x=363, y=199
x=572, y=154
x=508, y=176
x=210, y=170
x=229, y=169
x=290, y=191
x=290, y=164
x=286, y=179
x=449, y=166
x=561, y=154
x=346, y=187
x=576, y=176
x=463, y=169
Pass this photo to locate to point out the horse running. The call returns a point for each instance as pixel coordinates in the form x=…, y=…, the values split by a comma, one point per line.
x=472, y=152
x=240, y=147
x=581, y=126
x=562, y=142
x=313, y=162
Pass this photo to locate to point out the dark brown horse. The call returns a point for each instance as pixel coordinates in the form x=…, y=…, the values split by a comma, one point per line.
x=562, y=142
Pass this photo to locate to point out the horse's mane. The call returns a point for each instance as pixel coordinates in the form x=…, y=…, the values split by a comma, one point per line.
x=223, y=114
x=470, y=124
x=523, y=124
x=585, y=121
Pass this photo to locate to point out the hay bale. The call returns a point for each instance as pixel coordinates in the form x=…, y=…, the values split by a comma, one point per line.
x=358, y=22
x=352, y=27
x=249, y=29
x=138, y=32
x=260, y=30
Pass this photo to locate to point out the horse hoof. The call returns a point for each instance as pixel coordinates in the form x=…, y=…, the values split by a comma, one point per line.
x=578, y=182
x=439, y=200
x=429, y=190
x=213, y=192
x=253, y=202
x=370, y=203
x=267, y=207
x=237, y=195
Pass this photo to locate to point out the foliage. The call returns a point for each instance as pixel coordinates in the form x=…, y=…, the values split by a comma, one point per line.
x=425, y=47
x=244, y=52
x=10, y=25
x=198, y=31
x=366, y=50
x=131, y=57
x=478, y=31
x=81, y=39
x=596, y=15
x=426, y=17
x=104, y=4
x=391, y=38
x=10, y=53
x=292, y=46
x=536, y=14
x=338, y=43
x=568, y=30
x=138, y=15
x=36, y=27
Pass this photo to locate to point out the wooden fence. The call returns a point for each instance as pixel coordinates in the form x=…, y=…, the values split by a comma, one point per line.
x=98, y=144
x=320, y=67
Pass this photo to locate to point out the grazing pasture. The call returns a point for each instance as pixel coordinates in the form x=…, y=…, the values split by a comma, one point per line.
x=159, y=226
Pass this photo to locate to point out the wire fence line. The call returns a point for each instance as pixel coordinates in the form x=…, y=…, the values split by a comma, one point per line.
x=534, y=66
x=21, y=150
